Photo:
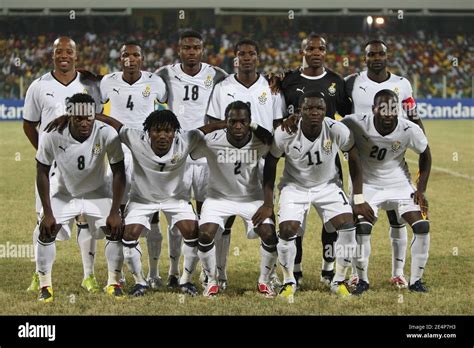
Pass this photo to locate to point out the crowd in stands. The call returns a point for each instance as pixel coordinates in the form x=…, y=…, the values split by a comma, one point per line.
x=421, y=57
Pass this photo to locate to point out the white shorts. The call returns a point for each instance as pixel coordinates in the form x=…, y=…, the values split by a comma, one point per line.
x=174, y=211
x=65, y=209
x=128, y=163
x=329, y=201
x=196, y=176
x=53, y=188
x=398, y=198
x=217, y=211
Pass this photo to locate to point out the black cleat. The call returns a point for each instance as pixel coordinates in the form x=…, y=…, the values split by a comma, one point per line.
x=188, y=289
x=418, y=286
x=361, y=287
x=138, y=290
x=173, y=281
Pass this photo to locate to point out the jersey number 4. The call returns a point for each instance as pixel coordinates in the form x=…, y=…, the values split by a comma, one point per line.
x=194, y=93
x=129, y=102
x=378, y=153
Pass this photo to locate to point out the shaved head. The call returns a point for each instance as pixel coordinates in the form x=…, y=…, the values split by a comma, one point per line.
x=64, y=54
x=64, y=40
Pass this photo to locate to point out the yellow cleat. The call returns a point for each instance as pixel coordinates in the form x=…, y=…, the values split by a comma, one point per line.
x=35, y=285
x=90, y=284
x=116, y=291
x=288, y=290
x=340, y=289
x=46, y=294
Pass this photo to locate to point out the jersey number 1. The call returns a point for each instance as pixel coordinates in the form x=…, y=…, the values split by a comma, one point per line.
x=310, y=160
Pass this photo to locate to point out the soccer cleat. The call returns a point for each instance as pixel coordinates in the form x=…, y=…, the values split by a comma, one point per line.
x=418, y=286
x=173, y=281
x=353, y=280
x=203, y=278
x=340, y=289
x=211, y=289
x=115, y=290
x=400, y=282
x=90, y=284
x=154, y=283
x=288, y=290
x=122, y=280
x=275, y=282
x=138, y=290
x=326, y=277
x=222, y=283
x=46, y=294
x=361, y=287
x=188, y=289
x=299, y=279
x=34, y=285
x=266, y=290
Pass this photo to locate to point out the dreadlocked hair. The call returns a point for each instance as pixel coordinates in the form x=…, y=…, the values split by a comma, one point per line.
x=159, y=119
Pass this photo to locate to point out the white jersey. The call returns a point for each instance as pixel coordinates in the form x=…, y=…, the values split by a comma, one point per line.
x=46, y=98
x=188, y=96
x=383, y=157
x=132, y=103
x=82, y=165
x=158, y=178
x=311, y=163
x=233, y=172
x=265, y=106
x=362, y=91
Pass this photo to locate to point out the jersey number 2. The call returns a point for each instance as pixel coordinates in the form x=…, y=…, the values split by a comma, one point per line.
x=378, y=153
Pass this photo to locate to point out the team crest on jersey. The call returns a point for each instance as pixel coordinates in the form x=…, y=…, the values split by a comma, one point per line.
x=85, y=91
x=96, y=150
x=146, y=92
x=332, y=89
x=208, y=81
x=327, y=146
x=396, y=146
x=396, y=90
x=263, y=98
x=176, y=157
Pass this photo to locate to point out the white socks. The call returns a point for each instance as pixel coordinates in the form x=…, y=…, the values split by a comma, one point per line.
x=286, y=258
x=174, y=250
x=45, y=256
x=345, y=250
x=36, y=233
x=154, y=239
x=420, y=247
x=398, y=236
x=114, y=256
x=132, y=256
x=190, y=252
x=222, y=252
x=208, y=260
x=88, y=246
x=268, y=257
x=362, y=261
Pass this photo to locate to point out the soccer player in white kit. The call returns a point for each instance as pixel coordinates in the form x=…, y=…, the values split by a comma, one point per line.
x=362, y=87
x=233, y=155
x=159, y=153
x=45, y=100
x=382, y=138
x=132, y=94
x=310, y=177
x=79, y=151
x=268, y=110
x=189, y=86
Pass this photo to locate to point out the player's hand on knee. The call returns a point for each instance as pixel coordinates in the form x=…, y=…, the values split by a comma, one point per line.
x=114, y=225
x=365, y=210
x=261, y=214
x=290, y=125
x=48, y=227
x=420, y=199
x=58, y=124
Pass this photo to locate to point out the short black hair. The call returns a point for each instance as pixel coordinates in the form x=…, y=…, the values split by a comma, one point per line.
x=161, y=118
x=310, y=37
x=246, y=41
x=238, y=105
x=385, y=92
x=312, y=93
x=375, y=41
x=190, y=33
x=131, y=43
x=80, y=104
